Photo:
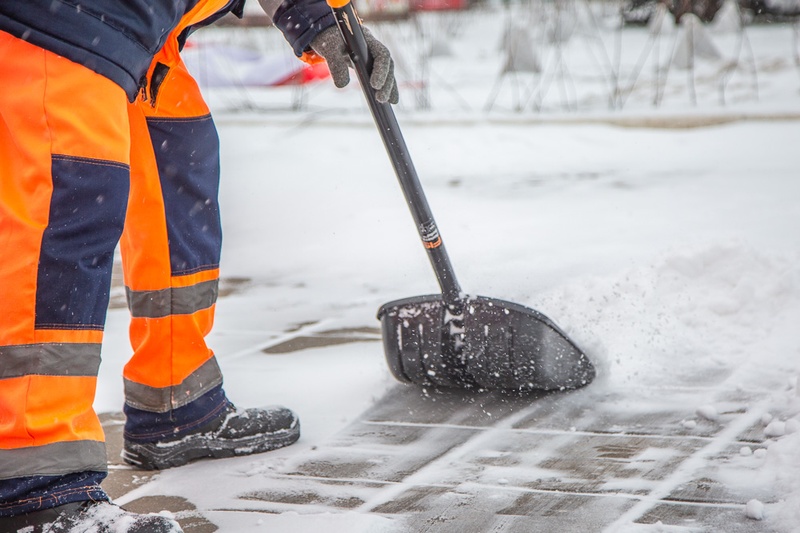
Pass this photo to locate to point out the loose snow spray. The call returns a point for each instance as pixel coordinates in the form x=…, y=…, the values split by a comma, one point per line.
x=700, y=316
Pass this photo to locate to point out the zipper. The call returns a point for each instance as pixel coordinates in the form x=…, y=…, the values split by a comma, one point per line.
x=156, y=79
x=142, y=88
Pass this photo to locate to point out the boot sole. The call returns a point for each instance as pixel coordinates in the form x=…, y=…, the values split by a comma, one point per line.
x=163, y=455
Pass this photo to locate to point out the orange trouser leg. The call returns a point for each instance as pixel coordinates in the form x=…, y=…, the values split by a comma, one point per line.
x=64, y=179
x=171, y=244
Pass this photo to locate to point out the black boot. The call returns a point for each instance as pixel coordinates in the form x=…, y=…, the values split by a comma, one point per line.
x=234, y=432
x=80, y=517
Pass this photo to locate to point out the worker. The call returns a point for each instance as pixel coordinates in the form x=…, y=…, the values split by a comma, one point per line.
x=105, y=139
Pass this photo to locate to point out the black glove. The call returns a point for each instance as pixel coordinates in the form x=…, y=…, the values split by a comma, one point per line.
x=329, y=44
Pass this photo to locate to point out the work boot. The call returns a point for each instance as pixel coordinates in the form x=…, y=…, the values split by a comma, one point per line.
x=235, y=432
x=81, y=517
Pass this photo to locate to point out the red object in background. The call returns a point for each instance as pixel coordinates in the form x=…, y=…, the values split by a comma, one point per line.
x=317, y=71
x=437, y=5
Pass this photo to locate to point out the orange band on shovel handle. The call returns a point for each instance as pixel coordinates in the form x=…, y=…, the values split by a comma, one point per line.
x=338, y=4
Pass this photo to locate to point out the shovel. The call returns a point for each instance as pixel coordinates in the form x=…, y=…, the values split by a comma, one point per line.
x=450, y=339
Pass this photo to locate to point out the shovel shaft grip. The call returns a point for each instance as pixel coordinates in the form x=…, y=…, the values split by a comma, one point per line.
x=386, y=122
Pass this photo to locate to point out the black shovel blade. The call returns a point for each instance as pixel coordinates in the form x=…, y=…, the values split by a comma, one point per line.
x=480, y=343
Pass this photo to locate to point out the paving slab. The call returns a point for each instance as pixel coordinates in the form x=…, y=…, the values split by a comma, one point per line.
x=460, y=461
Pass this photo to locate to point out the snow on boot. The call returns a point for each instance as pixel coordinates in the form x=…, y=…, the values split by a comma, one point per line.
x=88, y=517
x=235, y=432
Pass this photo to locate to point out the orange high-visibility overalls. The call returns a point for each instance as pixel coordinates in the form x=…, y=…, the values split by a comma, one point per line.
x=81, y=167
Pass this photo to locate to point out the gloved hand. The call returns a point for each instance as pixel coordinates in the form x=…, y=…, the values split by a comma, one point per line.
x=329, y=44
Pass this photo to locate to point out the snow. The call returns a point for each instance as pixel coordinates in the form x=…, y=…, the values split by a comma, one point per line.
x=669, y=254
x=709, y=412
x=755, y=510
x=775, y=429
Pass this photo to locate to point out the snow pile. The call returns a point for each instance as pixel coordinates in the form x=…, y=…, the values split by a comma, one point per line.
x=695, y=316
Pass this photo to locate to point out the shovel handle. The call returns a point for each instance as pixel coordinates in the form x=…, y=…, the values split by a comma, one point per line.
x=350, y=27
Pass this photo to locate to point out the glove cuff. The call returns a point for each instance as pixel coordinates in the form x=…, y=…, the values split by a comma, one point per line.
x=311, y=57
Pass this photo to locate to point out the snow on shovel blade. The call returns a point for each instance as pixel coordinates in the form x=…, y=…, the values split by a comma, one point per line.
x=492, y=344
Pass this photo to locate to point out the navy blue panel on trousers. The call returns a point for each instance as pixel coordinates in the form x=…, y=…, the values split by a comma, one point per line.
x=29, y=494
x=187, y=156
x=144, y=426
x=87, y=213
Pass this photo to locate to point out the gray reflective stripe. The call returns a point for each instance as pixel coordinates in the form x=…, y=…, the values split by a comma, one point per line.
x=164, y=399
x=49, y=359
x=173, y=301
x=53, y=459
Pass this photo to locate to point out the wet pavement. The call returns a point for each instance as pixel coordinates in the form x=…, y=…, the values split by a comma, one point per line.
x=458, y=461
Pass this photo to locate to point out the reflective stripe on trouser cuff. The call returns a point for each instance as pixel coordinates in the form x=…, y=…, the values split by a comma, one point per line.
x=49, y=359
x=173, y=301
x=54, y=459
x=164, y=399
